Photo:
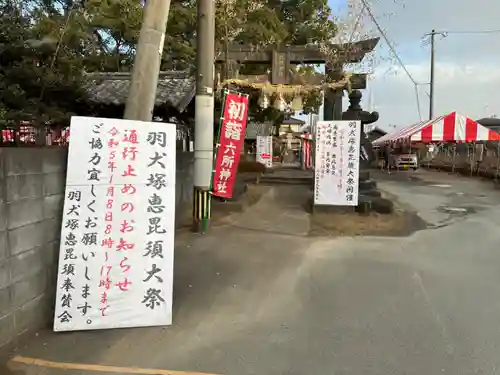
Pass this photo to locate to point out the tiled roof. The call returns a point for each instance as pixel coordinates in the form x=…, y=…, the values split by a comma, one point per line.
x=294, y=134
x=293, y=121
x=254, y=129
x=372, y=128
x=175, y=89
x=489, y=122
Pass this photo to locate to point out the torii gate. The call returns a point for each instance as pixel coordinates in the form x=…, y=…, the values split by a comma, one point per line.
x=282, y=58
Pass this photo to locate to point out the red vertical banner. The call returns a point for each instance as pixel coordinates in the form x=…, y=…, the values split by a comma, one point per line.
x=231, y=140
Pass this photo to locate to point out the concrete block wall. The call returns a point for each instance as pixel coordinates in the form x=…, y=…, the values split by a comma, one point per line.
x=184, y=178
x=32, y=184
x=31, y=198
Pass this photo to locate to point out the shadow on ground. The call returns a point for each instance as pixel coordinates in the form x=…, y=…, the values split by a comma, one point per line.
x=286, y=210
x=218, y=283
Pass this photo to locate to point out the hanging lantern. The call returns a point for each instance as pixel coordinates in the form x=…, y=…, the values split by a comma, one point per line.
x=263, y=101
x=280, y=103
x=297, y=103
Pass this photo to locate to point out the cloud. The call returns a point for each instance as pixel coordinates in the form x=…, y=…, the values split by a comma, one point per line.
x=467, y=72
x=471, y=89
x=408, y=20
x=446, y=73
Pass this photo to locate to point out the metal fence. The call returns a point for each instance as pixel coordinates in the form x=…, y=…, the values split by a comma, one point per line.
x=472, y=158
x=25, y=136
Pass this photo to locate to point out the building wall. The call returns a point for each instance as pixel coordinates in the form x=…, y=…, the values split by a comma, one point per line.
x=32, y=184
x=284, y=128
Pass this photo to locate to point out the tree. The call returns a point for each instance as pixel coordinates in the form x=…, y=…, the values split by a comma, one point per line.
x=39, y=82
x=44, y=80
x=47, y=45
x=306, y=21
x=115, y=25
x=105, y=32
x=257, y=22
x=272, y=23
x=179, y=52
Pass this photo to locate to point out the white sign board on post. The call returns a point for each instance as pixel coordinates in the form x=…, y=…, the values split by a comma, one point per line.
x=265, y=150
x=336, y=170
x=117, y=236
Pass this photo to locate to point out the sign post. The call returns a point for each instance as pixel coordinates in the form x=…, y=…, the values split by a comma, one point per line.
x=117, y=237
x=265, y=150
x=336, y=173
x=230, y=144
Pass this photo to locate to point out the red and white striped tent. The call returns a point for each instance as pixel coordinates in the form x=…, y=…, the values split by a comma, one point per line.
x=453, y=127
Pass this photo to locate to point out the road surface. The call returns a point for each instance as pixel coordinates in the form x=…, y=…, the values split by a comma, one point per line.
x=260, y=296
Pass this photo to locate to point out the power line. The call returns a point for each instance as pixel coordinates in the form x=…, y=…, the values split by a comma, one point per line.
x=396, y=55
x=418, y=102
x=444, y=33
x=429, y=38
x=417, y=97
x=466, y=32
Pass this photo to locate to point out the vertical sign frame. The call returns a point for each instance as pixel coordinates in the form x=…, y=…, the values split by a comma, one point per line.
x=336, y=173
x=117, y=236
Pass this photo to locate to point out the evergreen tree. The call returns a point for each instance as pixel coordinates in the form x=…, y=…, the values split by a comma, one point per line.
x=47, y=45
x=39, y=82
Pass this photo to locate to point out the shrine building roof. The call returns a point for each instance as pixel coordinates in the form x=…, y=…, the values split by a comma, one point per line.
x=175, y=89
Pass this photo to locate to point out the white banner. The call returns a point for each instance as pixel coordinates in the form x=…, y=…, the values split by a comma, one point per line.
x=337, y=163
x=117, y=235
x=265, y=150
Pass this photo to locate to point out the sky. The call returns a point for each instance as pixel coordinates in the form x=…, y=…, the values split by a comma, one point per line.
x=467, y=73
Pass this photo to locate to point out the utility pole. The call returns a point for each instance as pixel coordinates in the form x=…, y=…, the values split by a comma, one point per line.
x=431, y=94
x=204, y=115
x=142, y=94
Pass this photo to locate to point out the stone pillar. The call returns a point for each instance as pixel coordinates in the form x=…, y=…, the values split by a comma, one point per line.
x=356, y=113
x=337, y=105
x=353, y=113
x=332, y=103
x=369, y=196
x=328, y=105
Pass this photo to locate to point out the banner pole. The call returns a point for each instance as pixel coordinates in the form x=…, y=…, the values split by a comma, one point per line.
x=205, y=218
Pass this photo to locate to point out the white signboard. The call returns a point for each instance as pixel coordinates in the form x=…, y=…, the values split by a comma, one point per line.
x=117, y=235
x=336, y=170
x=265, y=150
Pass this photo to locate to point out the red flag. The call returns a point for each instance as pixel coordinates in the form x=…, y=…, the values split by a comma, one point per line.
x=232, y=138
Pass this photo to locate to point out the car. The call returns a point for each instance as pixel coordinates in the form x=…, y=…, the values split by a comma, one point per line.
x=404, y=161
